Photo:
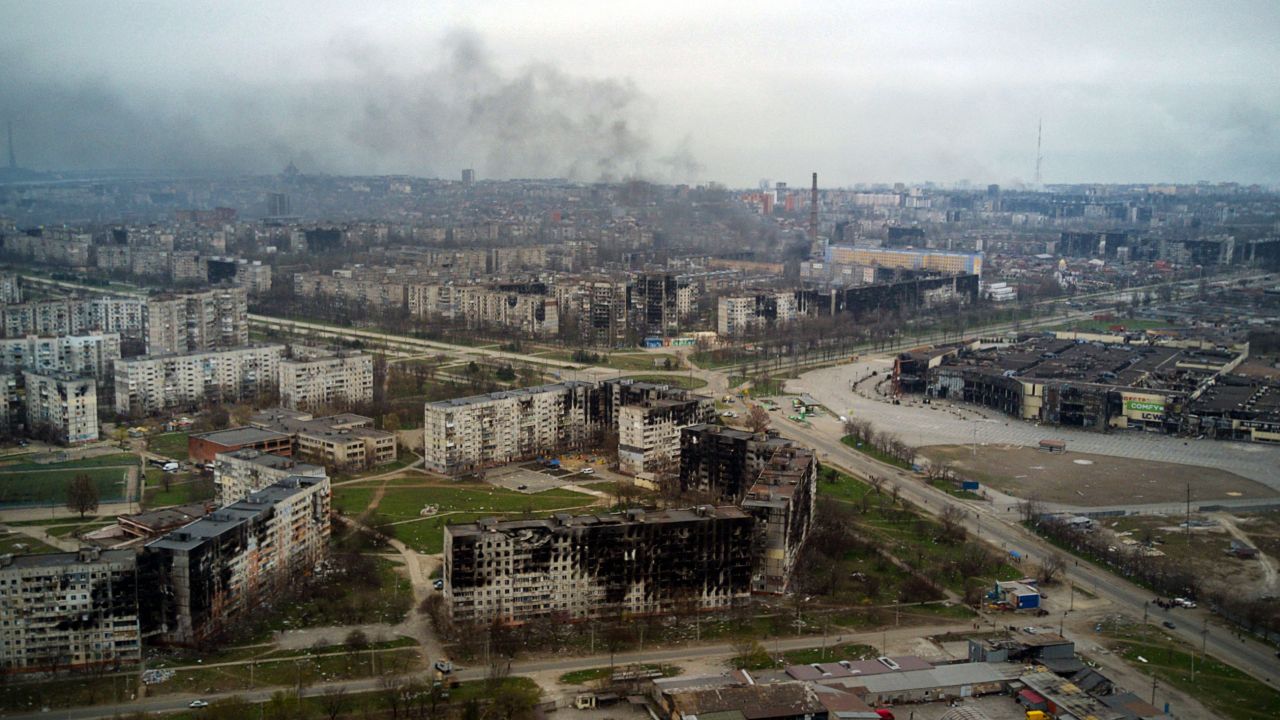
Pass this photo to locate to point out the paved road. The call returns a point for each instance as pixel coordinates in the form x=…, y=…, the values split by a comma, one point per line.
x=1000, y=528
x=171, y=703
x=935, y=424
x=401, y=342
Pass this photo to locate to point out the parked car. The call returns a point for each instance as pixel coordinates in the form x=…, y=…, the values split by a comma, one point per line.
x=444, y=667
x=438, y=584
x=1169, y=624
x=588, y=471
x=198, y=704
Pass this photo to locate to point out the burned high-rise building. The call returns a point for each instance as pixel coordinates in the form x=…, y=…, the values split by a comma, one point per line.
x=580, y=567
x=69, y=611
x=782, y=499
x=722, y=461
x=655, y=304
x=207, y=577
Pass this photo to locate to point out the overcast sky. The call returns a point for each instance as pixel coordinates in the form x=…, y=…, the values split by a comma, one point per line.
x=682, y=91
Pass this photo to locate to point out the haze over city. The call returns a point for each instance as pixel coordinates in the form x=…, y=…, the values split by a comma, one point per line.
x=649, y=361
x=671, y=92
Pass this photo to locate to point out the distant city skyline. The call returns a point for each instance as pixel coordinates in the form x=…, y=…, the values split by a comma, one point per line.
x=861, y=92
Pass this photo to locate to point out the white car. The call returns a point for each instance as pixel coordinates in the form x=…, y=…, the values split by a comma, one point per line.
x=588, y=471
x=198, y=704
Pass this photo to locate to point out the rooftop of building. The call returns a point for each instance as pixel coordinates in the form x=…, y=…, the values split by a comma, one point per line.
x=58, y=376
x=941, y=676
x=1159, y=367
x=517, y=393
x=196, y=353
x=268, y=460
x=856, y=668
x=747, y=700
x=240, y=436
x=294, y=422
x=154, y=521
x=66, y=559
x=781, y=476
x=484, y=525
x=228, y=518
x=1239, y=395
x=309, y=356
x=1068, y=696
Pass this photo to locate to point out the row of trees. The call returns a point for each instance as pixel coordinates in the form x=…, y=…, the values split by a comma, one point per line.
x=883, y=441
x=1164, y=575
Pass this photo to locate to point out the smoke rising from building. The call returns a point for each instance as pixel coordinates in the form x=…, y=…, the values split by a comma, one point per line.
x=371, y=116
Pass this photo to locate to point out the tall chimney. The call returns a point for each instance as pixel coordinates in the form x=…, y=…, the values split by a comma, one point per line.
x=13, y=159
x=813, y=210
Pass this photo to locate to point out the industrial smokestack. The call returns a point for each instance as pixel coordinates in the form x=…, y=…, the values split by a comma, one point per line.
x=13, y=159
x=813, y=210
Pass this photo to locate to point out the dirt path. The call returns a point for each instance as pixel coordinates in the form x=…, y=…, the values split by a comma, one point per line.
x=1270, y=576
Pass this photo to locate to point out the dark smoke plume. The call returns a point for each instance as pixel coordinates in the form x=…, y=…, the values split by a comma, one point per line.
x=370, y=116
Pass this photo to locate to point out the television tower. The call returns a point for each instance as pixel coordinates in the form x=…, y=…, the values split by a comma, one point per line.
x=1039, y=157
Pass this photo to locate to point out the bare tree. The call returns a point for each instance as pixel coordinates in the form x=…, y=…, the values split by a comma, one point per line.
x=334, y=701
x=758, y=419
x=82, y=495
x=1054, y=563
x=1030, y=509
x=953, y=523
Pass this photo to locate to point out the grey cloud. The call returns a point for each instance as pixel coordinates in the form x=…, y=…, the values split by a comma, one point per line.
x=369, y=117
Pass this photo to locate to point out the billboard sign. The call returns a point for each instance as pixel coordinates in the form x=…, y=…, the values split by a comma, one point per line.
x=1144, y=407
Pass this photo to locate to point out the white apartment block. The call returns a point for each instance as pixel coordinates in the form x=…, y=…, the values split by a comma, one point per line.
x=213, y=319
x=92, y=355
x=737, y=315
x=66, y=403
x=649, y=433
x=10, y=288
x=8, y=400
x=238, y=474
x=253, y=276
x=373, y=291
x=151, y=384
x=531, y=313
x=342, y=379
x=68, y=611
x=474, y=432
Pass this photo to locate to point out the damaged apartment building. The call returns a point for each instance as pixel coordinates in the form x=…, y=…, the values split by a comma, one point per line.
x=69, y=611
x=645, y=563
x=208, y=577
x=580, y=567
x=1077, y=382
x=465, y=434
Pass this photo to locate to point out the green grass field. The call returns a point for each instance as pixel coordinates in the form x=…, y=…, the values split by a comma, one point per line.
x=831, y=653
x=406, y=503
x=9, y=543
x=49, y=485
x=913, y=537
x=113, y=460
x=463, y=504
x=642, y=361
x=173, y=445
x=1220, y=687
x=182, y=491
x=682, y=381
